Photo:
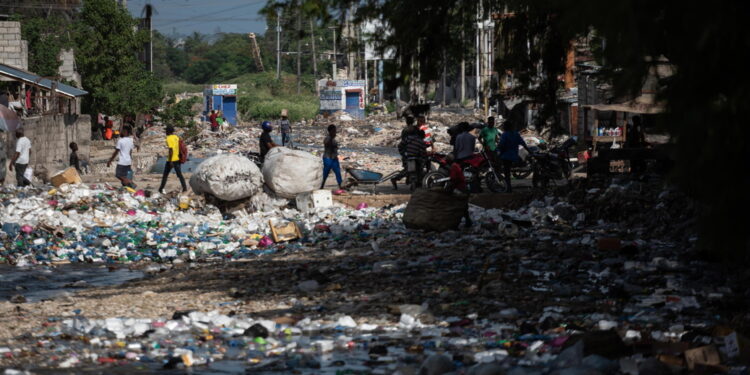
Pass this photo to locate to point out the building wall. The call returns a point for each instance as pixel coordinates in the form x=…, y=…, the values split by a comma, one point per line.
x=50, y=137
x=67, y=68
x=13, y=50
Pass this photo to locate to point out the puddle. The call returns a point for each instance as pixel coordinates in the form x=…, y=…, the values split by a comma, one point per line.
x=188, y=167
x=38, y=283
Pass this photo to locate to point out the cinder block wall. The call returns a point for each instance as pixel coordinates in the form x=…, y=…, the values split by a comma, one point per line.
x=50, y=136
x=13, y=50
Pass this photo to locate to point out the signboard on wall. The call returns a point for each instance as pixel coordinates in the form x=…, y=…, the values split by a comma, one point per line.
x=224, y=89
x=330, y=100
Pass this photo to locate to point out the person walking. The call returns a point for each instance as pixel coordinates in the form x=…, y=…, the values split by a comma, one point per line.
x=509, y=143
x=286, y=129
x=266, y=143
x=3, y=157
x=331, y=157
x=20, y=159
x=173, y=160
x=124, y=154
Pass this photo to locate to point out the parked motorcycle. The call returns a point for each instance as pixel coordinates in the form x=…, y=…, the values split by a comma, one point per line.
x=477, y=169
x=523, y=168
x=552, y=165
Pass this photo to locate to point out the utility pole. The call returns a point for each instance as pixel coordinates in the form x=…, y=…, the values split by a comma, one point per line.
x=333, y=75
x=463, y=70
x=299, y=52
x=479, y=52
x=314, y=57
x=445, y=72
x=278, y=44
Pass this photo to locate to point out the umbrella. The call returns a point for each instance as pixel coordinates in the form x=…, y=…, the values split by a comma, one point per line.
x=9, y=121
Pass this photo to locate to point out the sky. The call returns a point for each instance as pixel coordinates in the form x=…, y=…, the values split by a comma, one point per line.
x=204, y=16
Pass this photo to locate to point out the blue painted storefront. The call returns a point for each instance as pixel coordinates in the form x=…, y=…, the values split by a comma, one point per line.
x=221, y=98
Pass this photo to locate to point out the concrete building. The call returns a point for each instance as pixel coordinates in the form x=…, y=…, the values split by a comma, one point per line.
x=13, y=50
x=67, y=70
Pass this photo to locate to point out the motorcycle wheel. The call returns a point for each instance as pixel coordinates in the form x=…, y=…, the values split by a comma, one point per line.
x=495, y=182
x=431, y=180
x=521, y=173
x=540, y=180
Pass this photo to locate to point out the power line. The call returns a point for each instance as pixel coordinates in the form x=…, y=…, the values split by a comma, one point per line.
x=196, y=18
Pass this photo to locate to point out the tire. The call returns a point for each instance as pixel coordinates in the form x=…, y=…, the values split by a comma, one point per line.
x=430, y=180
x=521, y=173
x=540, y=180
x=496, y=185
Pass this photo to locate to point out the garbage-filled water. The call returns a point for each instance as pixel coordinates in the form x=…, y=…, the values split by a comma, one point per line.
x=36, y=283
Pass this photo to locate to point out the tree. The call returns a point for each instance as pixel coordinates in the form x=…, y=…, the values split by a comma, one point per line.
x=107, y=44
x=46, y=37
x=708, y=103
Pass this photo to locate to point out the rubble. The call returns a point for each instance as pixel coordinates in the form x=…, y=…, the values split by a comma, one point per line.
x=524, y=291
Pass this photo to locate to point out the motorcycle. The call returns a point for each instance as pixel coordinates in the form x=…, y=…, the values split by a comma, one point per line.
x=414, y=169
x=476, y=169
x=552, y=165
x=523, y=168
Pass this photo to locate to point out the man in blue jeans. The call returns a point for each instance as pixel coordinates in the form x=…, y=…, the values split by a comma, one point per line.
x=331, y=157
x=509, y=143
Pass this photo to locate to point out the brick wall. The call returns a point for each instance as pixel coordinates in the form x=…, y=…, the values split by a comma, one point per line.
x=50, y=137
x=13, y=50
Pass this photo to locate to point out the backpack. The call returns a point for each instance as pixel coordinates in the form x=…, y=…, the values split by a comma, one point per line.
x=183, y=152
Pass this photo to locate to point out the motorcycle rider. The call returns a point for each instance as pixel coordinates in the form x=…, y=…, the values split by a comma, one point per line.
x=465, y=143
x=416, y=149
x=509, y=142
x=464, y=150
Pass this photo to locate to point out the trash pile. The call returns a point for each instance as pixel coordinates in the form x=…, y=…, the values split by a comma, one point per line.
x=99, y=223
x=577, y=283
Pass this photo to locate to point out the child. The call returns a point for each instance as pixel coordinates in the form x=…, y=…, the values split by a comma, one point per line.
x=74, y=162
x=458, y=183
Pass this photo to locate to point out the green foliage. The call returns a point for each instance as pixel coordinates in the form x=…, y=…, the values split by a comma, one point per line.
x=46, y=37
x=180, y=115
x=391, y=107
x=116, y=80
x=230, y=56
x=262, y=97
x=179, y=87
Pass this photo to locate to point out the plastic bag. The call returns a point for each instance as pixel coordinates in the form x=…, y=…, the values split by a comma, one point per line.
x=227, y=177
x=291, y=172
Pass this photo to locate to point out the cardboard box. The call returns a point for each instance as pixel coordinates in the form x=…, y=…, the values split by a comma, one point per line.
x=284, y=232
x=68, y=176
x=314, y=199
x=705, y=355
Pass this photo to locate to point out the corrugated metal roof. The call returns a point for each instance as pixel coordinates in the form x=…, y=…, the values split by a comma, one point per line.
x=15, y=73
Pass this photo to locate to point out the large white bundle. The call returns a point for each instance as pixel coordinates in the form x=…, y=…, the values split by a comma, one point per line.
x=290, y=172
x=227, y=177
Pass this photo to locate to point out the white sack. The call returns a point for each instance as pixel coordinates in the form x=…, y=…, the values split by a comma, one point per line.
x=227, y=177
x=290, y=172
